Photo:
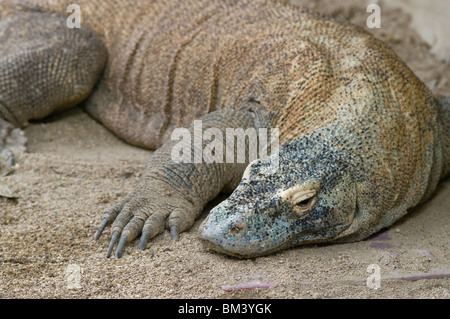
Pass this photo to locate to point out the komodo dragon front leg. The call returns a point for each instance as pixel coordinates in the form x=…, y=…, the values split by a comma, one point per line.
x=172, y=195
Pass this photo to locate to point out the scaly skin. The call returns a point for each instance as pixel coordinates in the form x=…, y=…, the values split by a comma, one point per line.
x=362, y=139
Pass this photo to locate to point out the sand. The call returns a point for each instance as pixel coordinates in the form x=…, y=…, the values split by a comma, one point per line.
x=74, y=168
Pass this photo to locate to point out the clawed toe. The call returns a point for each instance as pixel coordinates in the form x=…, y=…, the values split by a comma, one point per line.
x=145, y=237
x=121, y=246
x=101, y=228
x=114, y=238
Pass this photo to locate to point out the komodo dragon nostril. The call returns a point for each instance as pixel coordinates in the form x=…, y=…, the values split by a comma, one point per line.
x=237, y=226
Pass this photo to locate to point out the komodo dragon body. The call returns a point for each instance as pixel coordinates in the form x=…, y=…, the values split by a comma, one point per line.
x=362, y=139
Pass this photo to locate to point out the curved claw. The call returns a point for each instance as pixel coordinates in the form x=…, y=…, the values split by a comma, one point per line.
x=114, y=238
x=175, y=232
x=121, y=246
x=144, y=240
x=101, y=228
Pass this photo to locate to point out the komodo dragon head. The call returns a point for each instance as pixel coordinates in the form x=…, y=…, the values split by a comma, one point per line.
x=309, y=197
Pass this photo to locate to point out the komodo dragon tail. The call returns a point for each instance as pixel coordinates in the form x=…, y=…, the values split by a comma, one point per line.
x=444, y=116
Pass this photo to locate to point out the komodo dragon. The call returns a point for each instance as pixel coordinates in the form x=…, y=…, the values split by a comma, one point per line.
x=362, y=140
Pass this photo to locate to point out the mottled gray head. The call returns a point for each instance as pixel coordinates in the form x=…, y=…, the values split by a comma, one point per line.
x=311, y=197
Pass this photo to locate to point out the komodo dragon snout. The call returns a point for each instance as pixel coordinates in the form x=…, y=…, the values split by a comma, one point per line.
x=306, y=195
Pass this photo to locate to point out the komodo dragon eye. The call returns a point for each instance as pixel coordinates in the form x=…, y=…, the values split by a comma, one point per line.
x=301, y=197
x=306, y=203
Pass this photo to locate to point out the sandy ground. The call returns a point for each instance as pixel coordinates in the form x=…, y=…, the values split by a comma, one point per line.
x=74, y=168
